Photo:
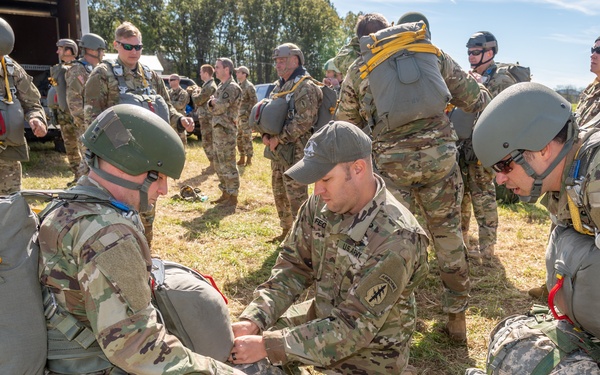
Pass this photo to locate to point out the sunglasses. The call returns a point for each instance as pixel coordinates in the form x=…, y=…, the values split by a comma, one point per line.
x=503, y=166
x=596, y=50
x=129, y=47
x=476, y=52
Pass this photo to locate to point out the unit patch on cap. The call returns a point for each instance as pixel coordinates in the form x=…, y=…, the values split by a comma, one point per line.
x=309, y=150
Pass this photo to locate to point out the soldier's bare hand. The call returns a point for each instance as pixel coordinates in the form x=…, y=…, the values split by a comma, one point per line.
x=244, y=327
x=265, y=139
x=248, y=349
x=188, y=123
x=273, y=142
x=38, y=128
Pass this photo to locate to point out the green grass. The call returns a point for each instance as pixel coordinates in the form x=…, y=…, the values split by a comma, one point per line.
x=236, y=248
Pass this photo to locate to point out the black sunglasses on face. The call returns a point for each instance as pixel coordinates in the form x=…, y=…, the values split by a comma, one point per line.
x=476, y=52
x=596, y=50
x=503, y=166
x=129, y=47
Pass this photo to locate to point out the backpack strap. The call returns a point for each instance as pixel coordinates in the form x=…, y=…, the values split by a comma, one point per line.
x=143, y=70
x=8, y=68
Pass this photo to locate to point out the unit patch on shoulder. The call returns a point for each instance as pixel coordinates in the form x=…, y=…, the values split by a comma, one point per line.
x=376, y=294
x=382, y=287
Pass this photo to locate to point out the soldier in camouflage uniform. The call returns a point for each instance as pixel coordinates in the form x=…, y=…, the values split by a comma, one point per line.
x=200, y=98
x=224, y=107
x=14, y=150
x=419, y=162
x=364, y=252
x=180, y=98
x=102, y=89
x=285, y=149
x=534, y=158
x=480, y=191
x=249, y=99
x=92, y=49
x=67, y=51
x=589, y=100
x=333, y=77
x=96, y=263
x=347, y=55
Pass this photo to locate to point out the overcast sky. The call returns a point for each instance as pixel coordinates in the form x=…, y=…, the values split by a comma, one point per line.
x=552, y=37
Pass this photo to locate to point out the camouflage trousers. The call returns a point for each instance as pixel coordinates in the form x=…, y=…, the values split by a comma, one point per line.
x=183, y=136
x=288, y=194
x=10, y=176
x=429, y=180
x=225, y=166
x=70, y=134
x=480, y=192
x=206, y=132
x=244, y=138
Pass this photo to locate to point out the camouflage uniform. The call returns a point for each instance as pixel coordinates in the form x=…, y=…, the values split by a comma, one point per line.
x=180, y=98
x=76, y=78
x=102, y=92
x=419, y=163
x=224, y=109
x=365, y=268
x=347, y=55
x=244, y=137
x=352, y=107
x=11, y=157
x=289, y=194
x=68, y=128
x=200, y=98
x=480, y=190
x=589, y=102
x=97, y=263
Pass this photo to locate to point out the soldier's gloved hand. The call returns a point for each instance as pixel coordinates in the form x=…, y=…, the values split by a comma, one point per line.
x=38, y=128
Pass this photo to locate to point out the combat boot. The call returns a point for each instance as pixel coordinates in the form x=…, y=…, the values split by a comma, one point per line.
x=224, y=197
x=248, y=161
x=410, y=370
x=242, y=160
x=488, y=252
x=474, y=256
x=539, y=292
x=457, y=327
x=231, y=201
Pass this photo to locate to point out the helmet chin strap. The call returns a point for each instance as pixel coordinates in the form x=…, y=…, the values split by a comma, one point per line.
x=143, y=188
x=481, y=62
x=538, y=179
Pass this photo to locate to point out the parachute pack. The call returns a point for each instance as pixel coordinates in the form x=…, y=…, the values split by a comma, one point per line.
x=12, y=126
x=143, y=97
x=518, y=72
x=404, y=74
x=181, y=295
x=269, y=115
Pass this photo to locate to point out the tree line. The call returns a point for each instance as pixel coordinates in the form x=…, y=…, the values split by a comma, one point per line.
x=186, y=34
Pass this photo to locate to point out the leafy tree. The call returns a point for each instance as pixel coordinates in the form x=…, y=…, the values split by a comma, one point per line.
x=103, y=18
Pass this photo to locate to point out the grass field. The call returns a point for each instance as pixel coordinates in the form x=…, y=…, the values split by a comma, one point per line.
x=236, y=248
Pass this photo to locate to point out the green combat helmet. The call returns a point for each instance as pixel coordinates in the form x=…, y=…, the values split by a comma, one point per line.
x=330, y=65
x=287, y=50
x=7, y=38
x=68, y=43
x=525, y=116
x=136, y=141
x=92, y=41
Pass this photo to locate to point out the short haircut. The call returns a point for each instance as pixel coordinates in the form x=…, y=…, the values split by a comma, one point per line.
x=207, y=68
x=370, y=23
x=127, y=30
x=227, y=63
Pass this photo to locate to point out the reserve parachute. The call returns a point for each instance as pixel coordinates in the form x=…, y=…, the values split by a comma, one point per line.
x=404, y=75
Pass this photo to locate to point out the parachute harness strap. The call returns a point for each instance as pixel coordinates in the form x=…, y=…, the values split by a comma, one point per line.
x=6, y=83
x=406, y=40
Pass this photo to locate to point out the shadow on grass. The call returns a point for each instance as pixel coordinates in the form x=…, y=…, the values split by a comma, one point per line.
x=43, y=155
x=243, y=288
x=209, y=220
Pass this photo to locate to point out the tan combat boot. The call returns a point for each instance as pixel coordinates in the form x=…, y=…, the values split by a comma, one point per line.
x=488, y=252
x=231, y=201
x=539, y=292
x=224, y=197
x=248, y=161
x=242, y=160
x=457, y=327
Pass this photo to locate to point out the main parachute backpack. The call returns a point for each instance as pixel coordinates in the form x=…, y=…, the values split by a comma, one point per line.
x=404, y=75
